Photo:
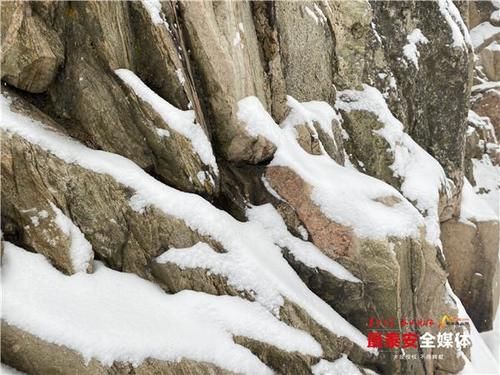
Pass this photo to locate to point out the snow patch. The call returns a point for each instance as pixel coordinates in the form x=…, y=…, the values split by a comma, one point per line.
x=154, y=9
x=182, y=122
x=201, y=176
x=422, y=176
x=237, y=39
x=305, y=252
x=346, y=196
x=410, y=49
x=309, y=112
x=492, y=338
x=162, y=133
x=80, y=251
x=487, y=177
x=459, y=31
x=114, y=316
x=180, y=76
x=482, y=33
x=495, y=16
x=311, y=14
x=341, y=366
x=269, y=188
x=7, y=370
x=495, y=46
x=316, y=15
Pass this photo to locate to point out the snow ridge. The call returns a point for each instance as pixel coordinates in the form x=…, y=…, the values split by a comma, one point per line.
x=183, y=122
x=115, y=316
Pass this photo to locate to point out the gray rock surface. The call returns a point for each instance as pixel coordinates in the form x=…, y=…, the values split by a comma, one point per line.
x=58, y=66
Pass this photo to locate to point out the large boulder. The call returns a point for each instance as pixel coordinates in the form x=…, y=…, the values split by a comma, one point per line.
x=396, y=272
x=31, y=51
x=474, y=281
x=490, y=60
x=486, y=104
x=436, y=126
x=225, y=54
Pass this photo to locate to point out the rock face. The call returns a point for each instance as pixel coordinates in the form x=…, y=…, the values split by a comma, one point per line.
x=277, y=174
x=486, y=104
x=470, y=278
x=34, y=356
x=32, y=51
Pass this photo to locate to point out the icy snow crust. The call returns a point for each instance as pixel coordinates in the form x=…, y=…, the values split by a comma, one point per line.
x=343, y=194
x=182, y=122
x=253, y=253
x=116, y=316
x=422, y=176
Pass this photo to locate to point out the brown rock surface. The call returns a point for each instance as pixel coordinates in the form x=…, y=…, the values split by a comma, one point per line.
x=472, y=280
x=32, y=52
x=488, y=104
x=396, y=272
x=32, y=355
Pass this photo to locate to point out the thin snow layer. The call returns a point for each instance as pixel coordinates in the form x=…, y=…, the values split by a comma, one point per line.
x=237, y=39
x=273, y=277
x=317, y=15
x=422, y=176
x=304, y=251
x=341, y=366
x=495, y=16
x=182, y=122
x=482, y=122
x=495, y=46
x=459, y=31
x=410, y=49
x=483, y=32
x=482, y=360
x=487, y=177
x=485, y=86
x=473, y=207
x=229, y=265
x=309, y=113
x=115, y=316
x=80, y=250
x=162, y=133
x=346, y=196
x=6, y=370
x=180, y=76
x=154, y=8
